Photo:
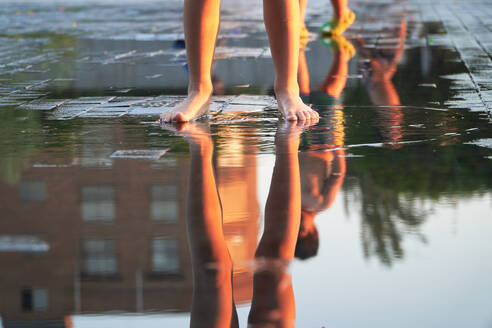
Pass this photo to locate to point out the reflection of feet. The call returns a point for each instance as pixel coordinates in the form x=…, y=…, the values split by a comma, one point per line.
x=340, y=43
x=289, y=133
x=195, y=105
x=197, y=134
x=293, y=109
x=338, y=26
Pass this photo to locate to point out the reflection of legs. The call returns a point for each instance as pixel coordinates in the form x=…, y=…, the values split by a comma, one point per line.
x=212, y=266
x=201, y=22
x=337, y=77
x=273, y=297
x=303, y=74
x=343, y=17
x=282, y=22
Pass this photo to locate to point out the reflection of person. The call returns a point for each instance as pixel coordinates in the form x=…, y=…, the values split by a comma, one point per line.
x=383, y=64
x=322, y=171
x=343, y=17
x=323, y=167
x=273, y=298
x=213, y=304
x=201, y=24
x=343, y=50
x=336, y=79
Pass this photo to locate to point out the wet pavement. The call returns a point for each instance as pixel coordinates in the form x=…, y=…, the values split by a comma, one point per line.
x=110, y=219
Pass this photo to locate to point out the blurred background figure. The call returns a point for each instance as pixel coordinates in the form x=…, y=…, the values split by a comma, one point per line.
x=343, y=17
x=382, y=66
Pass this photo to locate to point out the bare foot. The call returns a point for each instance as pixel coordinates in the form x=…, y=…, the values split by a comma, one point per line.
x=293, y=109
x=195, y=105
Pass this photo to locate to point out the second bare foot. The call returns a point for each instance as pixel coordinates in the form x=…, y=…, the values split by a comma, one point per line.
x=293, y=108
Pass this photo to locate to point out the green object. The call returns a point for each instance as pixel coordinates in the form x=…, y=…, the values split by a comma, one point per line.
x=326, y=27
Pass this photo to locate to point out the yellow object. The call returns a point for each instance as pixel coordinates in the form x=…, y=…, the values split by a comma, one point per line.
x=304, y=35
x=338, y=27
x=340, y=42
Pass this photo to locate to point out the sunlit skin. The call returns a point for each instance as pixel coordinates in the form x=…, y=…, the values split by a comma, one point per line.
x=339, y=8
x=201, y=24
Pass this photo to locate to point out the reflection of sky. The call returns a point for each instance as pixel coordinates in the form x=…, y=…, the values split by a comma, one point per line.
x=449, y=274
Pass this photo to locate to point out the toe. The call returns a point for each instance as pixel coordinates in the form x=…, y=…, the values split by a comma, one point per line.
x=309, y=115
x=301, y=115
x=180, y=117
x=291, y=117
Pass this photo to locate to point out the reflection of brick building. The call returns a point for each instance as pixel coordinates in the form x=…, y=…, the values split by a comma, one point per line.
x=116, y=234
x=236, y=179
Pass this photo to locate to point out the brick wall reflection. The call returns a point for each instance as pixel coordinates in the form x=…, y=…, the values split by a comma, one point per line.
x=116, y=234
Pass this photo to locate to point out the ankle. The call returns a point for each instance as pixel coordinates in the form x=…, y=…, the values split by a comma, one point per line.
x=204, y=88
x=286, y=91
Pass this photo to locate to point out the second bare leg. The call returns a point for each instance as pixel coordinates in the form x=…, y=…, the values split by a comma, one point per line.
x=201, y=25
x=282, y=21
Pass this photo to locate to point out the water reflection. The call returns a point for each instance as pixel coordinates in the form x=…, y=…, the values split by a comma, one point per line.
x=322, y=170
x=115, y=230
x=273, y=298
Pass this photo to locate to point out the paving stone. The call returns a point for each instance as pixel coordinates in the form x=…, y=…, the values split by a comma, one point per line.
x=65, y=112
x=44, y=104
x=147, y=111
x=253, y=100
x=153, y=154
x=235, y=108
x=89, y=100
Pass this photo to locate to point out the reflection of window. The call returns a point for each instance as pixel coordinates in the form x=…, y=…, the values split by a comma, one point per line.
x=98, y=203
x=99, y=257
x=32, y=191
x=34, y=299
x=164, y=205
x=165, y=257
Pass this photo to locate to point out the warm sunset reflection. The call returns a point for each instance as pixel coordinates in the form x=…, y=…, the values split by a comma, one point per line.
x=222, y=233
x=236, y=183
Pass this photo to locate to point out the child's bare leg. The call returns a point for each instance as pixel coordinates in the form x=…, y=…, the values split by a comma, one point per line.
x=201, y=24
x=282, y=21
x=339, y=7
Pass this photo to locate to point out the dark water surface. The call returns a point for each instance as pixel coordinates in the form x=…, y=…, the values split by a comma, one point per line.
x=106, y=216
